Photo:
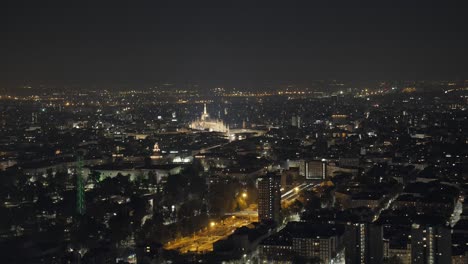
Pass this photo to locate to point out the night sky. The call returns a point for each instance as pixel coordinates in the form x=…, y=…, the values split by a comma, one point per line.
x=114, y=43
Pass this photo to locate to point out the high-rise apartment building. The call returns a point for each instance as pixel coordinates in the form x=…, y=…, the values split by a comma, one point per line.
x=269, y=198
x=431, y=244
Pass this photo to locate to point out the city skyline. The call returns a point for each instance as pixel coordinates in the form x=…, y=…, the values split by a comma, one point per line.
x=182, y=132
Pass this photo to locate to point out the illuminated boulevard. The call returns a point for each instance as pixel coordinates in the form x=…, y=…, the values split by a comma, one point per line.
x=202, y=241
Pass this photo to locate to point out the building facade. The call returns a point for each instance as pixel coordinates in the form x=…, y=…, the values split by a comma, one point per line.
x=364, y=243
x=431, y=244
x=269, y=198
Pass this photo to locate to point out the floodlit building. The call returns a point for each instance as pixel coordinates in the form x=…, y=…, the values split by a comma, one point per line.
x=206, y=123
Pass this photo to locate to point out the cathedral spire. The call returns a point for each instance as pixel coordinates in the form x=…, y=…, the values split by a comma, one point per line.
x=205, y=113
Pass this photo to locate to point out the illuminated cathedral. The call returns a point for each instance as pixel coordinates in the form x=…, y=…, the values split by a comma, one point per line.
x=209, y=124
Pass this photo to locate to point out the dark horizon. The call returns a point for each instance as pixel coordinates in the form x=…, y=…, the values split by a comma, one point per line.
x=112, y=44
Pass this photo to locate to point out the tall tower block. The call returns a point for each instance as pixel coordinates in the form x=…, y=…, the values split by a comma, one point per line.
x=80, y=194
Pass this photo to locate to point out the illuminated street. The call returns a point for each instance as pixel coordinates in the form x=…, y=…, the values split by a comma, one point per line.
x=292, y=194
x=203, y=240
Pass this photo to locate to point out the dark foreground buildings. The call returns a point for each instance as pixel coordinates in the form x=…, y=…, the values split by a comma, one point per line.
x=430, y=244
x=364, y=243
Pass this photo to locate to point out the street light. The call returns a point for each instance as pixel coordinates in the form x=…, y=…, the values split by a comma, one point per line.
x=212, y=224
x=244, y=195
